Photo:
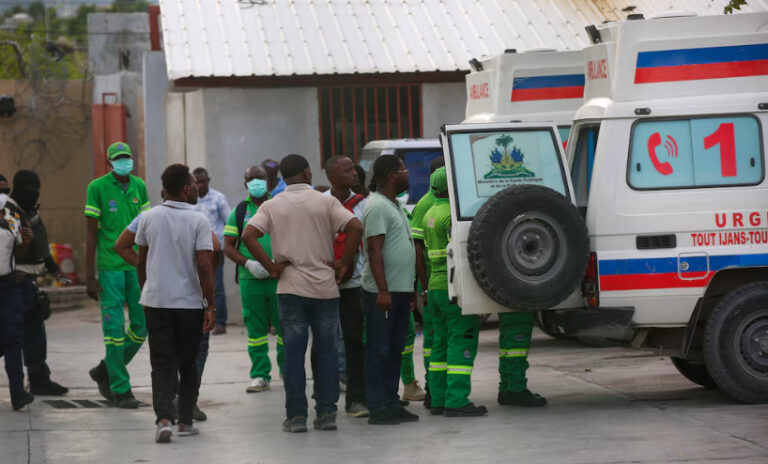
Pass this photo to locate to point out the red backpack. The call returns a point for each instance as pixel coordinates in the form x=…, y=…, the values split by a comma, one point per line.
x=340, y=241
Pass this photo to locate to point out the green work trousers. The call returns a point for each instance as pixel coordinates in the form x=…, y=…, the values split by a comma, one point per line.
x=259, y=299
x=119, y=288
x=407, y=372
x=454, y=348
x=514, y=340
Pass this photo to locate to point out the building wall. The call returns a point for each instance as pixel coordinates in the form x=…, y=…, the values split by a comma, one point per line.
x=442, y=104
x=52, y=138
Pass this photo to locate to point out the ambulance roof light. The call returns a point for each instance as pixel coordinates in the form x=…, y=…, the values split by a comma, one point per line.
x=762, y=106
x=642, y=111
x=635, y=17
x=593, y=33
x=510, y=50
x=476, y=65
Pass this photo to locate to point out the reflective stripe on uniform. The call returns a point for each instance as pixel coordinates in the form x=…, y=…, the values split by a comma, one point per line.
x=417, y=232
x=134, y=338
x=231, y=231
x=279, y=340
x=427, y=351
x=516, y=353
x=408, y=349
x=436, y=254
x=257, y=341
x=459, y=370
x=92, y=211
x=114, y=341
x=145, y=207
x=438, y=366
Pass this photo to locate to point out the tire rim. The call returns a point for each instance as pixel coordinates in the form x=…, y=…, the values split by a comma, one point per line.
x=752, y=343
x=532, y=243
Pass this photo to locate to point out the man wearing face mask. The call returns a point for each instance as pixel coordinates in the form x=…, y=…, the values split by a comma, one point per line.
x=35, y=261
x=258, y=289
x=113, y=200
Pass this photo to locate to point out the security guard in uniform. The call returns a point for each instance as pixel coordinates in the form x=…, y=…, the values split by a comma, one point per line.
x=454, y=346
x=514, y=341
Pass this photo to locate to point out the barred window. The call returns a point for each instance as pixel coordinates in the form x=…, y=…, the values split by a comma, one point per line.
x=351, y=116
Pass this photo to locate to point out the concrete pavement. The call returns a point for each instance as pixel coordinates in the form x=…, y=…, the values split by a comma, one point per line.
x=607, y=405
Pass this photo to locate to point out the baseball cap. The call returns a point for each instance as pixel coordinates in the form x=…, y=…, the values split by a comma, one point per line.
x=438, y=181
x=117, y=149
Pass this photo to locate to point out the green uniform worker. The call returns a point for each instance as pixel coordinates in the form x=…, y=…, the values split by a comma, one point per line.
x=407, y=367
x=454, y=346
x=514, y=341
x=112, y=202
x=258, y=290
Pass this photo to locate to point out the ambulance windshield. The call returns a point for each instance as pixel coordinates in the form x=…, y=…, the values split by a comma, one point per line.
x=486, y=162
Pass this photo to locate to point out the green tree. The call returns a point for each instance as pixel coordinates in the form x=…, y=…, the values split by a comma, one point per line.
x=734, y=5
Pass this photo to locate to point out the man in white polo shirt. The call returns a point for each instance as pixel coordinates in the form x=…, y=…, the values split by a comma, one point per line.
x=176, y=277
x=303, y=223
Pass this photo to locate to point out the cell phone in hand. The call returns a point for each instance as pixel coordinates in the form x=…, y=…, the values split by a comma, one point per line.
x=65, y=280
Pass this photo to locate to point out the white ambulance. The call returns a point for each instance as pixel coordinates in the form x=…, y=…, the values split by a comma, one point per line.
x=655, y=232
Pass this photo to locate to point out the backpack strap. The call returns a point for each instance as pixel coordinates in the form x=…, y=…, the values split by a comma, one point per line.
x=353, y=201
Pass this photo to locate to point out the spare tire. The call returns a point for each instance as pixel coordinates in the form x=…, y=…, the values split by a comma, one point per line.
x=528, y=247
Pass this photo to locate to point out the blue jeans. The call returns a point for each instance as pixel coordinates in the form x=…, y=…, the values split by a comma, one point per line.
x=35, y=341
x=11, y=329
x=297, y=315
x=385, y=339
x=218, y=294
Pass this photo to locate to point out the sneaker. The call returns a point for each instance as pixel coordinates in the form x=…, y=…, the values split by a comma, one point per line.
x=327, y=421
x=258, y=384
x=186, y=430
x=21, y=399
x=164, y=431
x=48, y=388
x=404, y=415
x=523, y=398
x=468, y=410
x=437, y=410
x=413, y=392
x=383, y=418
x=295, y=424
x=100, y=375
x=125, y=400
x=219, y=329
x=358, y=410
x=198, y=415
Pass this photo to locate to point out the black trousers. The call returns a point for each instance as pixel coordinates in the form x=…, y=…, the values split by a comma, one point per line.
x=174, y=342
x=351, y=316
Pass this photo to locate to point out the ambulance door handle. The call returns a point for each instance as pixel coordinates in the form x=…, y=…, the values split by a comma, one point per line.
x=655, y=242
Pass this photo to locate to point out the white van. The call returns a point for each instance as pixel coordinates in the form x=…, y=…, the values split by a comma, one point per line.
x=657, y=234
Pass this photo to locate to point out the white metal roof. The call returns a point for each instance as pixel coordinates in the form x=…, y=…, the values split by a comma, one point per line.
x=223, y=38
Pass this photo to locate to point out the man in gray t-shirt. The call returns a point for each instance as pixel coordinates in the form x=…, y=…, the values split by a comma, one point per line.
x=176, y=277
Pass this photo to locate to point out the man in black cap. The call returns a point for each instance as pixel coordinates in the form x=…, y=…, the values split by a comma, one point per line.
x=29, y=265
x=303, y=223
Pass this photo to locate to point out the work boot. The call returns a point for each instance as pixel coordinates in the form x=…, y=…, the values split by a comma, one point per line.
x=437, y=410
x=100, y=375
x=386, y=417
x=522, y=398
x=47, y=388
x=164, y=431
x=295, y=424
x=413, y=392
x=21, y=399
x=326, y=421
x=427, y=398
x=468, y=410
x=126, y=400
x=404, y=415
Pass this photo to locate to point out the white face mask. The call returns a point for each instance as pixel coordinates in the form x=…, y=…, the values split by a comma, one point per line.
x=3, y=200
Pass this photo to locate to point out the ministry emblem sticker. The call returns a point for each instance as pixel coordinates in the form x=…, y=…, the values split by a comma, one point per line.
x=506, y=162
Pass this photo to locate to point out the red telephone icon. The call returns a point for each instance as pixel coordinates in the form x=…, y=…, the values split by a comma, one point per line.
x=654, y=141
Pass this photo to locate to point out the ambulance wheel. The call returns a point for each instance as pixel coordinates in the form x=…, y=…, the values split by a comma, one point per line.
x=528, y=248
x=695, y=372
x=736, y=343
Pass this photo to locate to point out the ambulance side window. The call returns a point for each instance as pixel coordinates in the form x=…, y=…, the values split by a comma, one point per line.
x=696, y=152
x=583, y=161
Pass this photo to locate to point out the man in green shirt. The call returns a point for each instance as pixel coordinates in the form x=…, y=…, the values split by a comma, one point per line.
x=258, y=290
x=412, y=391
x=112, y=201
x=454, y=346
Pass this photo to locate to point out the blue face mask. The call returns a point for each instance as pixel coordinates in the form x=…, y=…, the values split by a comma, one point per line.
x=257, y=188
x=122, y=167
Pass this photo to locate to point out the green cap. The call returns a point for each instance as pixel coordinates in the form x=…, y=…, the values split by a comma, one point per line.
x=438, y=181
x=117, y=149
